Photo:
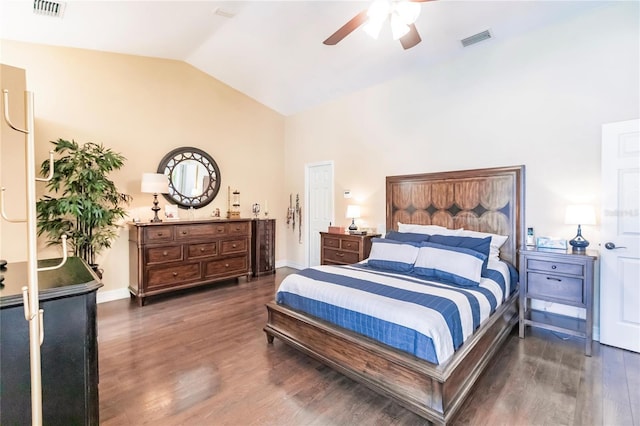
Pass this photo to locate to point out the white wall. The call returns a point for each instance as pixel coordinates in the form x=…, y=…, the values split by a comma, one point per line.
x=538, y=100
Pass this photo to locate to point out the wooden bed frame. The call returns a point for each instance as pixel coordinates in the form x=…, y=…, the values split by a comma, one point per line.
x=486, y=200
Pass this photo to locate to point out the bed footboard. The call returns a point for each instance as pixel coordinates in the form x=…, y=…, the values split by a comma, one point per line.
x=434, y=392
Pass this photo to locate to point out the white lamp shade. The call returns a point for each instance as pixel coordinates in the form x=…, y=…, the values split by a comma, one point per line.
x=353, y=212
x=154, y=183
x=580, y=214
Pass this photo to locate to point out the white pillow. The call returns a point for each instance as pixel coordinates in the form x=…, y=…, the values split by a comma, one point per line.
x=427, y=229
x=497, y=241
x=454, y=265
x=392, y=255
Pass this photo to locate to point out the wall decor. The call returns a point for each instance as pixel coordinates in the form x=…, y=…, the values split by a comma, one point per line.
x=194, y=177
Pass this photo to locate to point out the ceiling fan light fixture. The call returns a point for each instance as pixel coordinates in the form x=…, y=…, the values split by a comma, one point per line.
x=408, y=11
x=373, y=28
x=398, y=27
x=379, y=10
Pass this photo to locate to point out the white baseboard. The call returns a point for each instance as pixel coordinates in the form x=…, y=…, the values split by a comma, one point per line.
x=111, y=295
x=288, y=264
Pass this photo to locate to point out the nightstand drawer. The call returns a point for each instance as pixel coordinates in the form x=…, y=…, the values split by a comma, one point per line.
x=555, y=267
x=555, y=287
x=350, y=245
x=331, y=242
x=340, y=256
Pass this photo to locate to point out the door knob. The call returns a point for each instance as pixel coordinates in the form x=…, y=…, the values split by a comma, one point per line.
x=611, y=246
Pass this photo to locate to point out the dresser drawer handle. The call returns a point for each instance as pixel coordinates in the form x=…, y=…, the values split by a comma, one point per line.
x=164, y=253
x=237, y=228
x=226, y=265
x=554, y=279
x=159, y=234
x=201, y=248
x=234, y=246
x=175, y=274
x=349, y=245
x=340, y=254
x=184, y=232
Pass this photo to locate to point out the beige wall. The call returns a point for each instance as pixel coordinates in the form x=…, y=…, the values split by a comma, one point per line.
x=13, y=173
x=538, y=100
x=144, y=107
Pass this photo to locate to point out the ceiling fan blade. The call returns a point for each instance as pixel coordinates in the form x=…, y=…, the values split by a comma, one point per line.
x=347, y=28
x=411, y=38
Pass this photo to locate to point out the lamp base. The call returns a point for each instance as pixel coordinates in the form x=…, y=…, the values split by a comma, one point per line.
x=155, y=209
x=353, y=226
x=578, y=243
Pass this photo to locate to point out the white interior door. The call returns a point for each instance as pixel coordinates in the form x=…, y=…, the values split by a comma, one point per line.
x=620, y=258
x=319, y=189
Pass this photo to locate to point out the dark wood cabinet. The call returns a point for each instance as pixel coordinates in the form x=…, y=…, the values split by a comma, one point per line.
x=263, y=246
x=344, y=249
x=168, y=256
x=560, y=277
x=69, y=352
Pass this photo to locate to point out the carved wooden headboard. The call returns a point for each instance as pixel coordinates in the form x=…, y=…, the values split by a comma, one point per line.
x=485, y=200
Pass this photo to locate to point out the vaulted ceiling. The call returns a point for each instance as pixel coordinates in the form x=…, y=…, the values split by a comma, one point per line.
x=272, y=50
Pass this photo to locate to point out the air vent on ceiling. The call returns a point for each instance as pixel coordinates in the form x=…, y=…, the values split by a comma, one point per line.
x=476, y=38
x=48, y=8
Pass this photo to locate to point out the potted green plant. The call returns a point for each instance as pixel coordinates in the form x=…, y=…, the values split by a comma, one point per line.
x=89, y=206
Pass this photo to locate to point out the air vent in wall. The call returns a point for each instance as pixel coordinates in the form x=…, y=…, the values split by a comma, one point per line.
x=48, y=8
x=476, y=38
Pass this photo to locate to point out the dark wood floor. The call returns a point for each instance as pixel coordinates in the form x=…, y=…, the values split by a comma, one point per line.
x=201, y=358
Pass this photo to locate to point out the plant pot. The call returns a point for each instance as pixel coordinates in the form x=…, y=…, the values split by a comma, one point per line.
x=97, y=270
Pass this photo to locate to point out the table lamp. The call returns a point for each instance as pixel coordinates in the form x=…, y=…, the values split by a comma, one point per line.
x=353, y=212
x=580, y=214
x=154, y=183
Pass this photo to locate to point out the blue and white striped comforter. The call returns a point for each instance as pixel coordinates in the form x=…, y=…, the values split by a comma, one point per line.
x=425, y=318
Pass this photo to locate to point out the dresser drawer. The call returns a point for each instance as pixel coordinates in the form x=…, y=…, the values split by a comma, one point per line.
x=168, y=275
x=555, y=287
x=158, y=234
x=163, y=254
x=232, y=265
x=346, y=244
x=200, y=230
x=233, y=246
x=202, y=250
x=555, y=267
x=340, y=256
x=238, y=228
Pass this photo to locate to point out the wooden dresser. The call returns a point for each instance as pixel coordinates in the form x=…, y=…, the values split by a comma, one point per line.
x=168, y=256
x=263, y=246
x=344, y=249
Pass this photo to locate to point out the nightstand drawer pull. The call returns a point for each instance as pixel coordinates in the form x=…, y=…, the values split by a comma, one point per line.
x=340, y=254
x=554, y=279
x=554, y=267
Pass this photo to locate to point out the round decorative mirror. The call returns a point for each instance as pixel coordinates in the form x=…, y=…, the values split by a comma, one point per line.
x=194, y=177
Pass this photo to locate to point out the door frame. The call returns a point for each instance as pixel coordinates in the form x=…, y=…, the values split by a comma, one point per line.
x=307, y=197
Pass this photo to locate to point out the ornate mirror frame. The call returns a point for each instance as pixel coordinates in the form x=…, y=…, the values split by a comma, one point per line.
x=177, y=162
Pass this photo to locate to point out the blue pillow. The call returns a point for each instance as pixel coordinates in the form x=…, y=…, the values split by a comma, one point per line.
x=453, y=265
x=481, y=245
x=392, y=255
x=410, y=237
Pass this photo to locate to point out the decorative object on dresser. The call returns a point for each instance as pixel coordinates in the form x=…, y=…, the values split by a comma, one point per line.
x=255, y=209
x=165, y=257
x=233, y=210
x=69, y=349
x=580, y=214
x=486, y=200
x=353, y=213
x=562, y=277
x=154, y=183
x=194, y=177
x=263, y=246
x=345, y=249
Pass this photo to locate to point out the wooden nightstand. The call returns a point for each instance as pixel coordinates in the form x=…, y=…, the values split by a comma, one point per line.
x=344, y=249
x=560, y=277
